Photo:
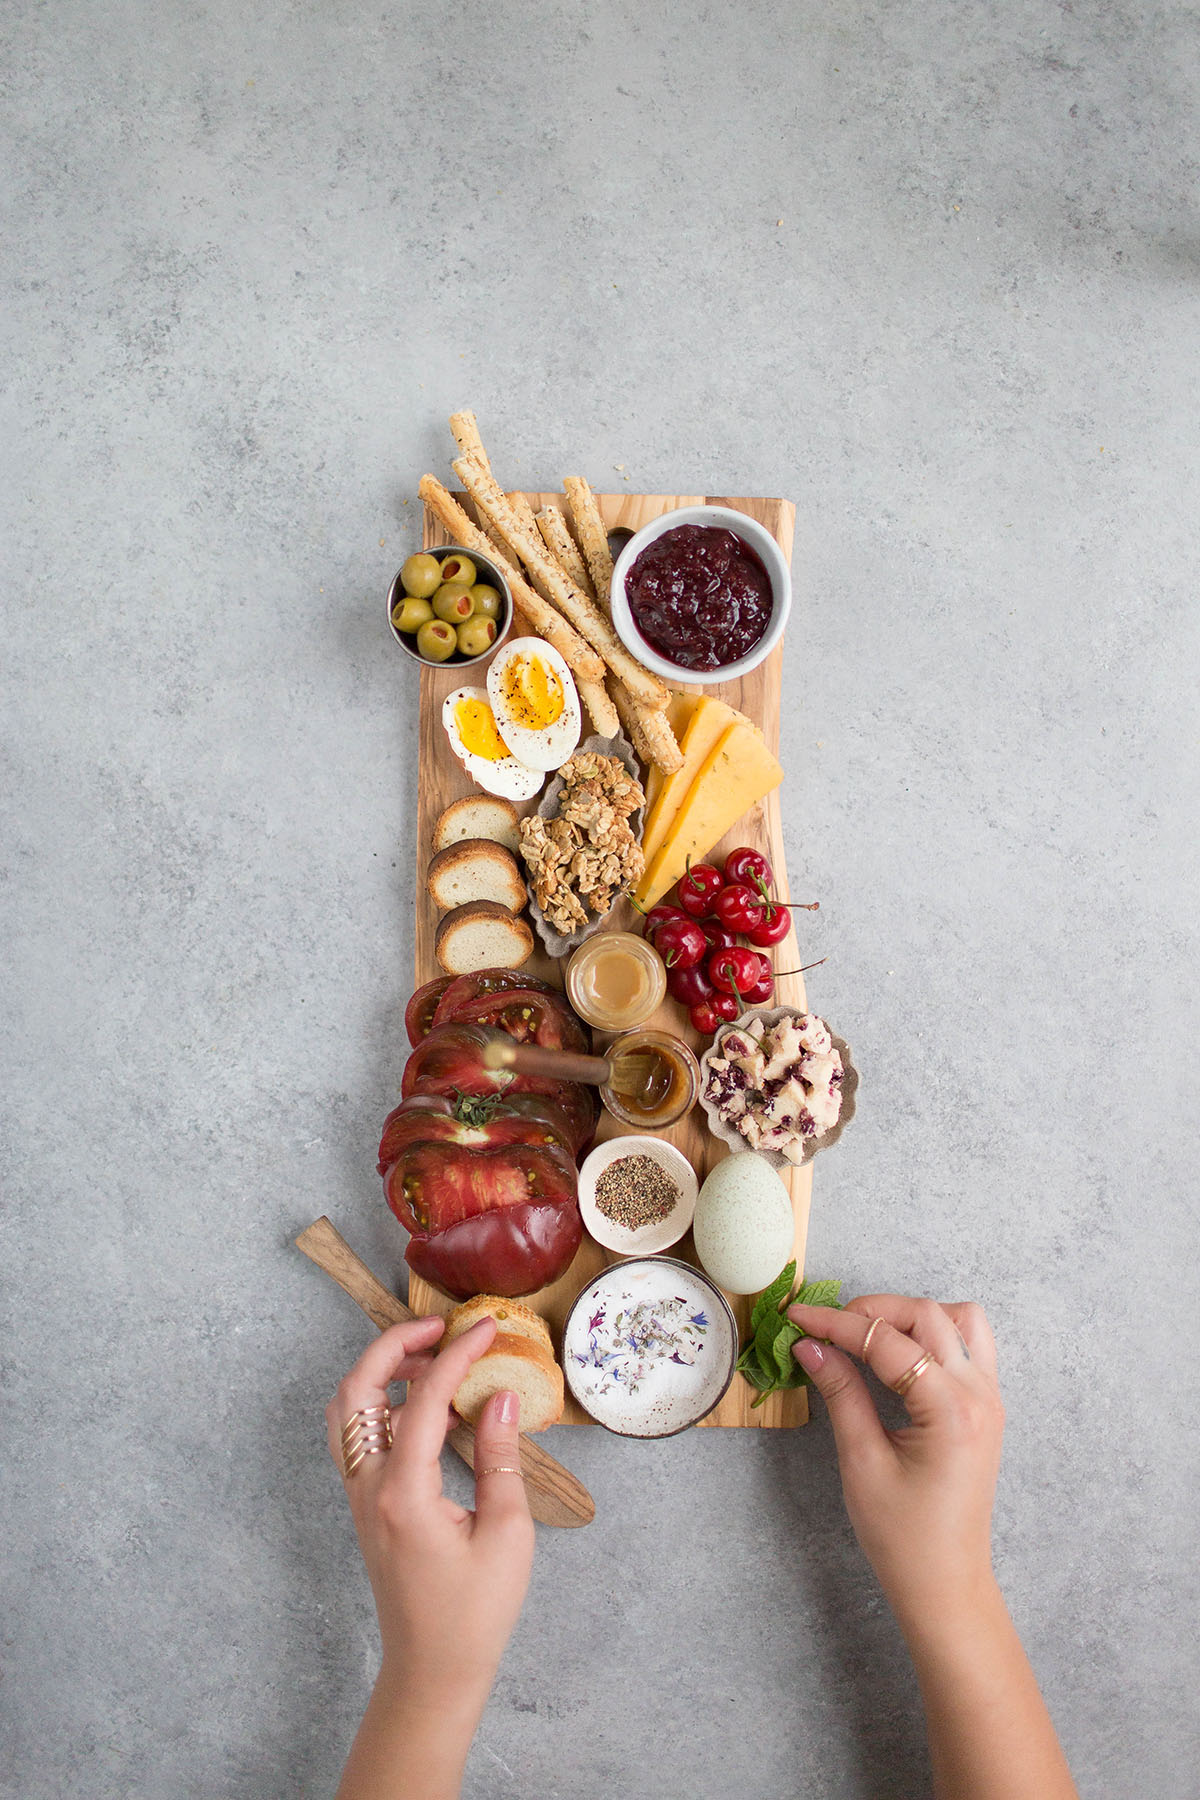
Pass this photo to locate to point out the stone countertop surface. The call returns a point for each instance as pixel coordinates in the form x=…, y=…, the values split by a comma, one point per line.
x=930, y=272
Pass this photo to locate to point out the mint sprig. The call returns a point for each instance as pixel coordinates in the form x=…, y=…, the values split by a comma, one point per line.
x=767, y=1361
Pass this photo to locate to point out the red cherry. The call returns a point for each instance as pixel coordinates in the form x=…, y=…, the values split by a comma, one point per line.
x=681, y=943
x=698, y=889
x=705, y=1018
x=739, y=908
x=772, y=927
x=733, y=971
x=749, y=868
x=690, y=986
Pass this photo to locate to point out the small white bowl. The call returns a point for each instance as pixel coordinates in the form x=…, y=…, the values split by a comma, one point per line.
x=765, y=548
x=649, y=1347
x=648, y=1239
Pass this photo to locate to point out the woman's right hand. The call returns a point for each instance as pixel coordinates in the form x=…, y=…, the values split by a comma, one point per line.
x=919, y=1499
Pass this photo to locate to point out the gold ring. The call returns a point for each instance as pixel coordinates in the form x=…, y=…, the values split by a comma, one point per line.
x=367, y=1432
x=872, y=1328
x=902, y=1386
x=498, y=1469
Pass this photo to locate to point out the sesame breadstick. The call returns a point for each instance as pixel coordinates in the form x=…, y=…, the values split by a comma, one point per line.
x=579, y=657
x=556, y=534
x=592, y=535
x=581, y=611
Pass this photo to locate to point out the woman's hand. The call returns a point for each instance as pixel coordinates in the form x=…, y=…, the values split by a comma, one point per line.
x=448, y=1583
x=919, y=1499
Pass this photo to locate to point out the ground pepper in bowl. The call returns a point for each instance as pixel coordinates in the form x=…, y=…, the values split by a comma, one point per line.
x=636, y=1191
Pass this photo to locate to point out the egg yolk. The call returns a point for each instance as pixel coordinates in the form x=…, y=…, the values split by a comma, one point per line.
x=477, y=728
x=532, y=692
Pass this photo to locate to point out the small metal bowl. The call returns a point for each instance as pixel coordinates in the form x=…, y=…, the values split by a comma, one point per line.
x=495, y=577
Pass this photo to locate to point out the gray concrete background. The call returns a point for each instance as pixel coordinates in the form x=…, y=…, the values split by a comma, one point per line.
x=930, y=271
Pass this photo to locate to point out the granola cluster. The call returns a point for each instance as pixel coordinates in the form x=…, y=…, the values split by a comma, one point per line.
x=579, y=861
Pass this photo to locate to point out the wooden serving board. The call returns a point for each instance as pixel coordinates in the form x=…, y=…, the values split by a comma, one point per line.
x=441, y=780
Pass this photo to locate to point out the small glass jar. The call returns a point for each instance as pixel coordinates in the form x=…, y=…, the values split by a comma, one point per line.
x=616, y=980
x=672, y=1087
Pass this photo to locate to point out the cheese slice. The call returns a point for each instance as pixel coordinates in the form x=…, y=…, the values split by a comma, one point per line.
x=710, y=718
x=680, y=709
x=738, y=771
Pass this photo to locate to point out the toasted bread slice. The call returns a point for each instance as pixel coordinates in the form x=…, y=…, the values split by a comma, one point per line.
x=511, y=1316
x=479, y=816
x=475, y=869
x=482, y=935
x=528, y=1369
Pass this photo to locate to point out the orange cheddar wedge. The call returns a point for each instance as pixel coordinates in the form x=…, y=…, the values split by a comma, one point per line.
x=710, y=719
x=738, y=771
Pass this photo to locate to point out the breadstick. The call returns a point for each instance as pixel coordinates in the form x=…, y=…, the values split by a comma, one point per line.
x=466, y=436
x=579, y=657
x=520, y=505
x=603, y=713
x=649, y=731
x=556, y=534
x=581, y=611
x=592, y=535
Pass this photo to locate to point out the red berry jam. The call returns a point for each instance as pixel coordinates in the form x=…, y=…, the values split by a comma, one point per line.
x=699, y=596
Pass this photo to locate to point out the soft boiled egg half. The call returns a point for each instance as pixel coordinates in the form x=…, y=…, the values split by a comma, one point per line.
x=470, y=725
x=534, y=702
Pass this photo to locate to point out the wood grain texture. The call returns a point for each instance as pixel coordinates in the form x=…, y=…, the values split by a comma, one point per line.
x=555, y=1496
x=441, y=780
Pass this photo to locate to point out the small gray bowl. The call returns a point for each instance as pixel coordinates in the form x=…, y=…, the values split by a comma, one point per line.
x=731, y=1136
x=495, y=577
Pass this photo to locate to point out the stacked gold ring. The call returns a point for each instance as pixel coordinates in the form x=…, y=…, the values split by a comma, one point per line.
x=906, y=1380
x=367, y=1432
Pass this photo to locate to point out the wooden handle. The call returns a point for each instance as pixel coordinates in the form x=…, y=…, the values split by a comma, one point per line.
x=555, y=1496
x=535, y=1059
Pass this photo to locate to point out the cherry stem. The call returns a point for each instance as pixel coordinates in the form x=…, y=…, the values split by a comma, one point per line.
x=780, y=973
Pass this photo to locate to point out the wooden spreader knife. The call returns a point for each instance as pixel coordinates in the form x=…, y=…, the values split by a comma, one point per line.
x=555, y=1496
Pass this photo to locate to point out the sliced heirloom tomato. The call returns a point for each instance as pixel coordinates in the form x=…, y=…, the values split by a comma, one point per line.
x=527, y=1016
x=512, y=1251
x=432, y=1186
x=418, y=1014
x=450, y=1061
x=458, y=988
x=475, y=1124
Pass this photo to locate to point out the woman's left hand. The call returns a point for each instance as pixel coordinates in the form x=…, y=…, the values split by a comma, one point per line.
x=448, y=1583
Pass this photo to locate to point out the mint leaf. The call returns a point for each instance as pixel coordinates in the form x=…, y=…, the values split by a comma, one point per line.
x=767, y=1361
x=817, y=1293
x=785, y=1362
x=769, y=1300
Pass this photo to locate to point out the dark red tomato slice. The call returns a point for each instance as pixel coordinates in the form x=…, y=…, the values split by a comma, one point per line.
x=515, y=1251
x=447, y=1063
x=484, y=981
x=473, y=1125
x=432, y=1186
x=418, y=1014
x=528, y=1016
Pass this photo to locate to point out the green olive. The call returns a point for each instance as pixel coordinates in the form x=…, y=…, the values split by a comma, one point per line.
x=453, y=603
x=436, y=640
x=421, y=576
x=409, y=614
x=458, y=568
x=476, y=636
x=487, y=600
